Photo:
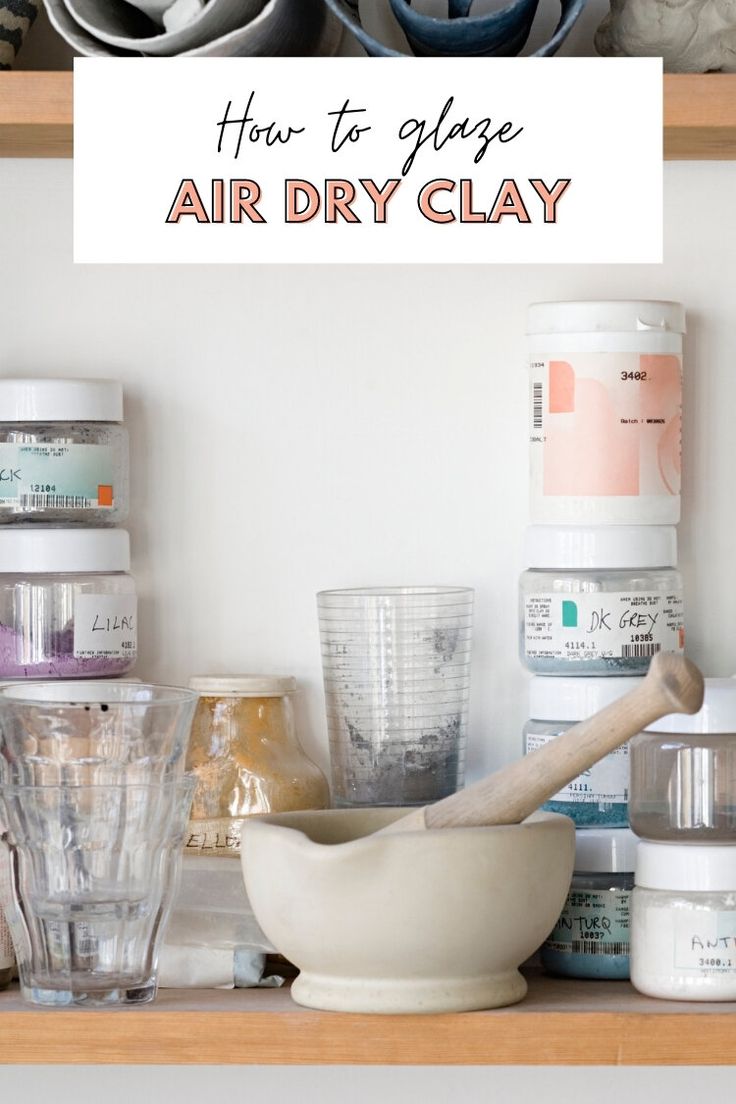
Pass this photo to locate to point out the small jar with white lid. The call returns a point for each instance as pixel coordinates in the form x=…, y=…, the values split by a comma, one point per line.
x=598, y=798
x=683, y=922
x=67, y=603
x=591, y=937
x=683, y=773
x=599, y=600
x=63, y=452
x=605, y=401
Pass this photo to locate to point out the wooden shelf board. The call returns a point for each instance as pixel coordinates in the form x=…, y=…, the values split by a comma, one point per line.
x=699, y=112
x=560, y=1023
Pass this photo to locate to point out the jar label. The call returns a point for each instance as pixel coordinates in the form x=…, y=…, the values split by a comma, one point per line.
x=213, y=836
x=605, y=424
x=53, y=477
x=705, y=941
x=605, y=783
x=602, y=625
x=105, y=626
x=593, y=922
x=7, y=955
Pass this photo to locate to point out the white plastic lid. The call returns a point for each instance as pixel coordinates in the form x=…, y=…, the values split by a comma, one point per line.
x=718, y=713
x=575, y=699
x=61, y=400
x=605, y=850
x=42, y=551
x=591, y=547
x=244, y=686
x=676, y=866
x=606, y=316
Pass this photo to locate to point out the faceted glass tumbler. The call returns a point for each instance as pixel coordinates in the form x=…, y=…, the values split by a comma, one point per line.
x=396, y=667
x=95, y=732
x=93, y=873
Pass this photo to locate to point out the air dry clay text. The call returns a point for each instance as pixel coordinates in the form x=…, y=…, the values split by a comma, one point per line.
x=247, y=131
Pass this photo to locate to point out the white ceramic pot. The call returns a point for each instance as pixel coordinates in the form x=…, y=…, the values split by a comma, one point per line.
x=434, y=921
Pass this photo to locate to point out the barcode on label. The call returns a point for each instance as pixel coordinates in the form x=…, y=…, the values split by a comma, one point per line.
x=587, y=946
x=537, y=405
x=55, y=501
x=639, y=651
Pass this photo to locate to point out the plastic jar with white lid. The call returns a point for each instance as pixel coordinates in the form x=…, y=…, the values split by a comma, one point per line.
x=63, y=452
x=683, y=773
x=591, y=937
x=683, y=922
x=598, y=798
x=599, y=600
x=605, y=400
x=68, y=606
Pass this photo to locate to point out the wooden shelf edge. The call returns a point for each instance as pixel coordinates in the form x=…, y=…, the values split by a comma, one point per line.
x=561, y=1023
x=699, y=115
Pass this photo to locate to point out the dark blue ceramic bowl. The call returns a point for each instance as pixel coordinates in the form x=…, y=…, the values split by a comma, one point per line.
x=498, y=34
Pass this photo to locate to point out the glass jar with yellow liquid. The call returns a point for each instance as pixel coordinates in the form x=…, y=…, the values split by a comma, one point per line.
x=247, y=759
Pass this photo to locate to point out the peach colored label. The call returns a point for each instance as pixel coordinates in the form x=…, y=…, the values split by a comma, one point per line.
x=606, y=424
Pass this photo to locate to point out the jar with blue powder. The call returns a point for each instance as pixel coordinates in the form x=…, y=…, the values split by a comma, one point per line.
x=599, y=600
x=591, y=937
x=599, y=797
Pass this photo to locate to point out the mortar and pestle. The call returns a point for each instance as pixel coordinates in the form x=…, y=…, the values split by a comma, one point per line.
x=435, y=909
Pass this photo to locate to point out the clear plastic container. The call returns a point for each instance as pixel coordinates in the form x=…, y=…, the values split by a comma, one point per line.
x=246, y=758
x=396, y=667
x=599, y=600
x=599, y=798
x=68, y=606
x=591, y=937
x=683, y=773
x=605, y=402
x=7, y=954
x=683, y=922
x=63, y=452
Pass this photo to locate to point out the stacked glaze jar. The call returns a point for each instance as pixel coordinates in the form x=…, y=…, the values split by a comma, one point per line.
x=683, y=808
x=67, y=600
x=600, y=593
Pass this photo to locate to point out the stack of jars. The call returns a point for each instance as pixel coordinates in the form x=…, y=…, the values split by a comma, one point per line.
x=67, y=600
x=601, y=593
x=683, y=808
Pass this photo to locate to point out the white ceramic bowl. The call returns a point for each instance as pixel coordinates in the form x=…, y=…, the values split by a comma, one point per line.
x=434, y=921
x=119, y=24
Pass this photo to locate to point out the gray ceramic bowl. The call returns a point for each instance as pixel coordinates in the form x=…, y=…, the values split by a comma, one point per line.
x=433, y=921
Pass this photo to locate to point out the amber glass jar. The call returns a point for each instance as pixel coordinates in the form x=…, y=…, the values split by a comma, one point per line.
x=247, y=759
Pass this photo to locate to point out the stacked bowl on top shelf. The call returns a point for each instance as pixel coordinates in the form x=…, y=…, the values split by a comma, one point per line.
x=67, y=600
x=600, y=594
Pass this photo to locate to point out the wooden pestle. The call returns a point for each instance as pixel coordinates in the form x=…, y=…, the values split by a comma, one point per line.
x=673, y=685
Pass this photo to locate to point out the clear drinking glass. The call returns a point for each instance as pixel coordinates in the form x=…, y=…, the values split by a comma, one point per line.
x=396, y=666
x=93, y=733
x=93, y=873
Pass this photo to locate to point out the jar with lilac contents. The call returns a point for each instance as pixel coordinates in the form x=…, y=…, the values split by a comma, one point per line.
x=68, y=607
x=598, y=798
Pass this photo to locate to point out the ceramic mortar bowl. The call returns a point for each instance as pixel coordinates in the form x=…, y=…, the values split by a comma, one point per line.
x=433, y=921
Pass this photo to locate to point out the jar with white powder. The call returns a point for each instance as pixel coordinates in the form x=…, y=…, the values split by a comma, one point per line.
x=599, y=600
x=683, y=922
x=605, y=400
x=63, y=452
x=68, y=606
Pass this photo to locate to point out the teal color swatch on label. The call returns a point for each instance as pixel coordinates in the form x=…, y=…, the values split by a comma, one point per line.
x=569, y=615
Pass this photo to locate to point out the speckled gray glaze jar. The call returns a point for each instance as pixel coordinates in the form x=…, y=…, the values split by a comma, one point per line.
x=63, y=452
x=599, y=600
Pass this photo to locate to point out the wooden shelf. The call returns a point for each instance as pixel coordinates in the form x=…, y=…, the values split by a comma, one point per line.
x=700, y=116
x=560, y=1023
x=35, y=114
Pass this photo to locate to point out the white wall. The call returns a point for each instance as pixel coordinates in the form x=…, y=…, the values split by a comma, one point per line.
x=296, y=428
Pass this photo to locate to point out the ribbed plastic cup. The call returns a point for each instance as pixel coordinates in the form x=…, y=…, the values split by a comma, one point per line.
x=396, y=667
